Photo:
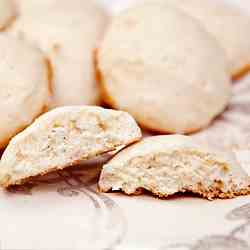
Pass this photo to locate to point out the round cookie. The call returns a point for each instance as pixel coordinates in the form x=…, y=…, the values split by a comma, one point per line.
x=68, y=32
x=7, y=13
x=161, y=66
x=24, y=86
x=229, y=25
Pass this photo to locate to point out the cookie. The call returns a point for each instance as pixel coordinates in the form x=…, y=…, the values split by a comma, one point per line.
x=7, y=13
x=24, y=86
x=68, y=32
x=229, y=25
x=165, y=165
x=64, y=137
x=161, y=66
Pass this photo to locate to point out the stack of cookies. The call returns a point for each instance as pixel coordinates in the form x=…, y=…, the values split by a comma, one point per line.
x=165, y=66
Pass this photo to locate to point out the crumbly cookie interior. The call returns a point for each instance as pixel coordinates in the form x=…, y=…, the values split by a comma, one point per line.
x=65, y=141
x=165, y=174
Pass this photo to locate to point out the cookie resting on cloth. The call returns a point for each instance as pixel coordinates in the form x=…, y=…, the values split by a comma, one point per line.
x=165, y=165
x=64, y=137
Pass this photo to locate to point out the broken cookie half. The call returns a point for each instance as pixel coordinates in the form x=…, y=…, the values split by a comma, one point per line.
x=165, y=165
x=64, y=137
